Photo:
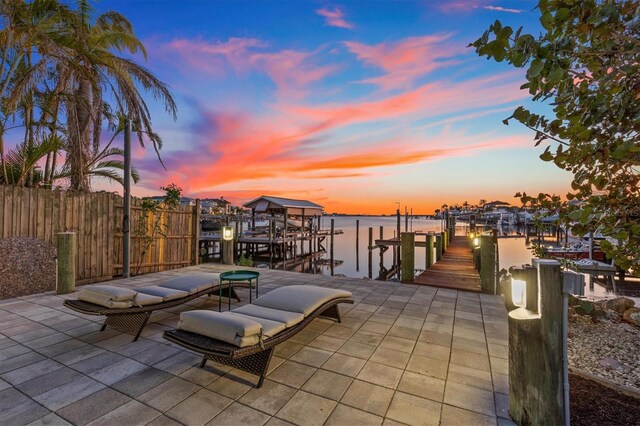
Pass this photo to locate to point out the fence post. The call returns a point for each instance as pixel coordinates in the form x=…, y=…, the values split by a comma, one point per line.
x=407, y=247
x=196, y=234
x=67, y=253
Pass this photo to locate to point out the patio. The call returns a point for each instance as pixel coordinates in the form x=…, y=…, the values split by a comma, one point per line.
x=404, y=354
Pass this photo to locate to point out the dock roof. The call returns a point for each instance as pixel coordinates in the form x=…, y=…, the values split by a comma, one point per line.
x=267, y=203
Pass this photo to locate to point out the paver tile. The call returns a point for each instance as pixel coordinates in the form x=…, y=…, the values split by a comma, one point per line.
x=380, y=374
x=131, y=413
x=168, y=394
x=140, y=382
x=368, y=397
x=470, y=359
x=311, y=356
x=240, y=415
x=93, y=406
x=423, y=386
x=50, y=419
x=344, y=415
x=234, y=384
x=306, y=408
x=454, y=416
x=270, y=398
x=429, y=366
x=292, y=374
x=31, y=371
x=470, y=398
x=470, y=376
x=390, y=357
x=413, y=410
x=344, y=364
x=199, y=408
x=15, y=408
x=328, y=384
x=68, y=393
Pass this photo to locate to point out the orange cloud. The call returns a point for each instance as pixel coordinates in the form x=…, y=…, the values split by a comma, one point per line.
x=334, y=17
x=405, y=60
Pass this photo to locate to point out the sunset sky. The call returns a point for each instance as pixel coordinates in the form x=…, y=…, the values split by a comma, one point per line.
x=355, y=105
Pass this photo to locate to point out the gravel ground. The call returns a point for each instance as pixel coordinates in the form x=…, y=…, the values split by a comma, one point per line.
x=606, y=349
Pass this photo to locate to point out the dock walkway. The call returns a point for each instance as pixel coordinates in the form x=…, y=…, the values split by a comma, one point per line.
x=454, y=270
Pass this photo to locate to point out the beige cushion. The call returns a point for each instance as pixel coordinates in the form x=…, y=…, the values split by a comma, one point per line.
x=269, y=328
x=238, y=330
x=147, y=299
x=117, y=294
x=192, y=283
x=288, y=318
x=165, y=293
x=103, y=300
x=303, y=299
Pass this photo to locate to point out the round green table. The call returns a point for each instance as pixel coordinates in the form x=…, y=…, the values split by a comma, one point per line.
x=237, y=277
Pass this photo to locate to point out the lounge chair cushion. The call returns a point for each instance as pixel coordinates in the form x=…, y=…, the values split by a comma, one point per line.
x=238, y=330
x=165, y=293
x=269, y=328
x=108, y=296
x=117, y=294
x=288, y=318
x=147, y=299
x=192, y=283
x=302, y=299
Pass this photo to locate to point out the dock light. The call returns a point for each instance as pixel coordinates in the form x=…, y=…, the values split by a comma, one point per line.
x=227, y=233
x=476, y=242
x=472, y=235
x=519, y=292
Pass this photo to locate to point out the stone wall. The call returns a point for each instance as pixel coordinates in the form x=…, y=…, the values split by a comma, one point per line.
x=27, y=266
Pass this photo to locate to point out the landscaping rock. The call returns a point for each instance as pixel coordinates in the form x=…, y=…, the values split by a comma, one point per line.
x=619, y=304
x=632, y=316
x=27, y=266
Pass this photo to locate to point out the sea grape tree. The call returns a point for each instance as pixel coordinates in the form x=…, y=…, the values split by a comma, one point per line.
x=585, y=68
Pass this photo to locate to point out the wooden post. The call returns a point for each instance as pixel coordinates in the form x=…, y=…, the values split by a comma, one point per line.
x=407, y=244
x=331, y=245
x=438, y=246
x=227, y=252
x=487, y=264
x=535, y=353
x=445, y=240
x=382, y=232
x=370, y=252
x=67, y=254
x=429, y=251
x=196, y=234
x=476, y=259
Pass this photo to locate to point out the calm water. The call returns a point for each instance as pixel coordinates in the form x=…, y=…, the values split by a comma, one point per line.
x=353, y=261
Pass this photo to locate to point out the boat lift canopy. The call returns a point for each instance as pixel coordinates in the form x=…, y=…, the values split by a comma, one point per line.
x=267, y=204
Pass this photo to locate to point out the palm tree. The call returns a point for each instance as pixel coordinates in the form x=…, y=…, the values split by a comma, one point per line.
x=96, y=67
x=79, y=66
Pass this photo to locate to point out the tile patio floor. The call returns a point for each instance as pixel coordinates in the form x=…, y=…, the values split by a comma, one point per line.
x=403, y=354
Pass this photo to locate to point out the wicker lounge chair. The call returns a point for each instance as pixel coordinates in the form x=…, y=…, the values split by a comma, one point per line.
x=132, y=317
x=246, y=336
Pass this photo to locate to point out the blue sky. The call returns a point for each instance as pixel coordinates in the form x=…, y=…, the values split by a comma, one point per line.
x=354, y=105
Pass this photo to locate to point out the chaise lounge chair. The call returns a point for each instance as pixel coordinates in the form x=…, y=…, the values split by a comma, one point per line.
x=245, y=337
x=129, y=310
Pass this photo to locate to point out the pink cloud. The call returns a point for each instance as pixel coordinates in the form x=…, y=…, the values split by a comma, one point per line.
x=334, y=17
x=405, y=60
x=290, y=70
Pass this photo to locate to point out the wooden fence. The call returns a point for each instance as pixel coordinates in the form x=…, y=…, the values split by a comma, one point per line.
x=97, y=219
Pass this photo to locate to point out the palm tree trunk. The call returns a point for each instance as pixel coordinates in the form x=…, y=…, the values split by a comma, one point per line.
x=79, y=137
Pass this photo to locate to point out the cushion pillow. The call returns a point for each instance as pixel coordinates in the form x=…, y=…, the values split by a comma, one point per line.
x=117, y=294
x=303, y=299
x=288, y=318
x=269, y=328
x=147, y=299
x=165, y=293
x=192, y=283
x=235, y=329
x=103, y=300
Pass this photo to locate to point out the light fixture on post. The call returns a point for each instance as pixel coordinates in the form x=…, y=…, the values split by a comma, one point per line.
x=476, y=242
x=519, y=292
x=227, y=233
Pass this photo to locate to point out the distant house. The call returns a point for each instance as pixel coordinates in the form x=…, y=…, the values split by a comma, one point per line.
x=215, y=206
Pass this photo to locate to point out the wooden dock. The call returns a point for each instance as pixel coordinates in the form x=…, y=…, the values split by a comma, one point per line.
x=454, y=270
